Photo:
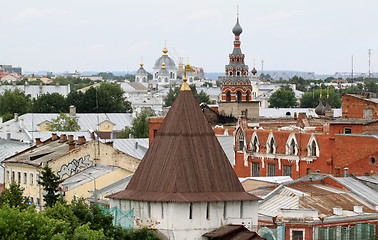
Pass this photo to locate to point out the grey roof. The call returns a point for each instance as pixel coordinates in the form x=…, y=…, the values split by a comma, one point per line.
x=211, y=91
x=87, y=175
x=133, y=87
x=227, y=143
x=86, y=121
x=135, y=147
x=141, y=71
x=169, y=63
x=359, y=189
x=35, y=90
x=10, y=147
x=372, y=179
x=275, y=179
x=362, y=121
x=163, y=72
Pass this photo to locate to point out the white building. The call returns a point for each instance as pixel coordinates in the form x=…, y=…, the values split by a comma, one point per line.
x=167, y=76
x=141, y=76
x=185, y=185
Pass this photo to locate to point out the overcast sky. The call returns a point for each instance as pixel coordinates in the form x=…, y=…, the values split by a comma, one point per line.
x=91, y=35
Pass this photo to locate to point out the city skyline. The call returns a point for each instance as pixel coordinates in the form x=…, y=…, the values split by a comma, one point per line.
x=315, y=36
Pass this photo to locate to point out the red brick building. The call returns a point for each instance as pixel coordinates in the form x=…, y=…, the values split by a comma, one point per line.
x=296, y=153
x=360, y=106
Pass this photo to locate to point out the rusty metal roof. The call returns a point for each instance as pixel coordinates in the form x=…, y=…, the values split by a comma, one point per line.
x=231, y=231
x=185, y=162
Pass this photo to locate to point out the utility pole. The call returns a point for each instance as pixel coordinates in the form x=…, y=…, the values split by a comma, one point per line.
x=369, y=52
x=262, y=66
x=352, y=68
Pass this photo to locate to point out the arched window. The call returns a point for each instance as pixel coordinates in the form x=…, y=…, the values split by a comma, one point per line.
x=292, y=148
x=247, y=97
x=171, y=74
x=254, y=144
x=271, y=148
x=156, y=75
x=240, y=141
x=228, y=96
x=238, y=96
x=137, y=79
x=237, y=73
x=313, y=149
x=144, y=79
x=230, y=73
x=166, y=79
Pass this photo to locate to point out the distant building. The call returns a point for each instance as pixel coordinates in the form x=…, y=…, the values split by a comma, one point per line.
x=165, y=70
x=11, y=69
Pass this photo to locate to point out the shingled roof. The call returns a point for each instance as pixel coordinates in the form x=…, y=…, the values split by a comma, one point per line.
x=185, y=162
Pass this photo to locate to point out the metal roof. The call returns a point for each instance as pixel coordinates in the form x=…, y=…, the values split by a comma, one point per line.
x=185, y=162
x=87, y=175
x=10, y=147
x=87, y=121
x=135, y=147
x=35, y=90
x=359, y=189
x=281, y=112
x=275, y=179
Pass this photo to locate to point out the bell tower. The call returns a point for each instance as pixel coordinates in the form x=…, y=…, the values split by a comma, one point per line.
x=237, y=88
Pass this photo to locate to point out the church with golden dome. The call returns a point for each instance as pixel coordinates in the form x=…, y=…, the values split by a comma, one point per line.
x=165, y=70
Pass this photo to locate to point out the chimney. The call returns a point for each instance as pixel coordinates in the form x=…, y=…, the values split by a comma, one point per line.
x=63, y=138
x=136, y=145
x=93, y=136
x=70, y=138
x=8, y=135
x=15, y=117
x=71, y=145
x=346, y=172
x=38, y=141
x=338, y=211
x=81, y=140
x=131, y=136
x=357, y=208
x=72, y=111
x=54, y=137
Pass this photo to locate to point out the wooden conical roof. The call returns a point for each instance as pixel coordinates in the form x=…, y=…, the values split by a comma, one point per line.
x=185, y=162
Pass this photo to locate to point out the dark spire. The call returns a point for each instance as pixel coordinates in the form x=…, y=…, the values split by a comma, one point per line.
x=237, y=30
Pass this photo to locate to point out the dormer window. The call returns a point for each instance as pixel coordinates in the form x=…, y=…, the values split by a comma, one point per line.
x=254, y=143
x=292, y=145
x=240, y=141
x=271, y=145
x=313, y=147
x=292, y=148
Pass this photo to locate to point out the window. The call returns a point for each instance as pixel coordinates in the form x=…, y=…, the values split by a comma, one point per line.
x=241, y=209
x=240, y=141
x=368, y=113
x=19, y=177
x=230, y=73
x=238, y=96
x=162, y=210
x=38, y=201
x=13, y=176
x=207, y=210
x=247, y=96
x=237, y=73
x=8, y=176
x=313, y=149
x=25, y=177
x=255, y=169
x=37, y=179
x=155, y=131
x=31, y=199
x=271, y=170
x=271, y=146
x=347, y=130
x=287, y=170
x=191, y=211
x=228, y=96
x=149, y=209
x=308, y=170
x=254, y=144
x=292, y=148
x=224, y=210
x=31, y=178
x=297, y=235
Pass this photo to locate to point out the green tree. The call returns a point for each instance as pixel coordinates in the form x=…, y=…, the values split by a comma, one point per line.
x=13, y=196
x=74, y=82
x=49, y=103
x=139, y=126
x=201, y=97
x=14, y=101
x=50, y=183
x=311, y=99
x=64, y=123
x=371, y=86
x=283, y=98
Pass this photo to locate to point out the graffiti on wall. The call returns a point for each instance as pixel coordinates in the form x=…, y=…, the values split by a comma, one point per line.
x=75, y=166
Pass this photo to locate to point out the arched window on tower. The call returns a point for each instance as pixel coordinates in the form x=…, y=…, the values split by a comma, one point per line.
x=248, y=96
x=237, y=73
x=240, y=141
x=166, y=79
x=228, y=96
x=238, y=96
x=156, y=75
x=230, y=73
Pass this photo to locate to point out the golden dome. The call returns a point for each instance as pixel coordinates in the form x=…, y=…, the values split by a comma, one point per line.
x=163, y=65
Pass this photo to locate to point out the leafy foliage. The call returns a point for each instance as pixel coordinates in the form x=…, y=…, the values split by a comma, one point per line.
x=283, y=98
x=13, y=196
x=311, y=99
x=75, y=83
x=64, y=123
x=49, y=103
x=139, y=127
x=14, y=101
x=50, y=183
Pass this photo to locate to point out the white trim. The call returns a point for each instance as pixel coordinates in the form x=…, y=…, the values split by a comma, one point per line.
x=292, y=137
x=271, y=135
x=309, y=146
x=254, y=135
